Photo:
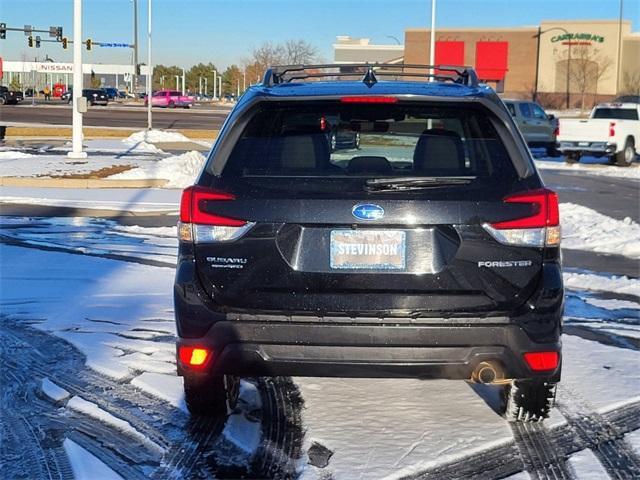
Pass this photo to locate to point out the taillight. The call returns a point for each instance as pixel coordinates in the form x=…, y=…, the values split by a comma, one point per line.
x=201, y=226
x=540, y=228
x=542, y=361
x=612, y=129
x=556, y=131
x=194, y=356
x=369, y=99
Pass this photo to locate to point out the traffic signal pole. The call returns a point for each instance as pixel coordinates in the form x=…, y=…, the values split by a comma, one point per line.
x=76, y=151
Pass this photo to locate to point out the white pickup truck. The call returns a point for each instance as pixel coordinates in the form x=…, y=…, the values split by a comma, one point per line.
x=612, y=130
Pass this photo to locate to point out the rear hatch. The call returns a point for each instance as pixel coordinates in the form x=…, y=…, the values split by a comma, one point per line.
x=391, y=228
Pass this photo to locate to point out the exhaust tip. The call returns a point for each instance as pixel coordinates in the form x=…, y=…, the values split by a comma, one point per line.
x=488, y=372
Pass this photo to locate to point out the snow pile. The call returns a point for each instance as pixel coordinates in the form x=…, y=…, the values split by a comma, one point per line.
x=11, y=155
x=591, y=168
x=586, y=229
x=589, y=281
x=53, y=391
x=155, y=136
x=85, y=465
x=180, y=170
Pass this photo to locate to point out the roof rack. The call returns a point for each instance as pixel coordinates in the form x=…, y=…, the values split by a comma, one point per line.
x=280, y=74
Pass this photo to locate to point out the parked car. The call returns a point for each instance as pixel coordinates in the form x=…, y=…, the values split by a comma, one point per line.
x=170, y=99
x=94, y=96
x=9, y=97
x=112, y=93
x=431, y=252
x=612, y=130
x=67, y=96
x=538, y=128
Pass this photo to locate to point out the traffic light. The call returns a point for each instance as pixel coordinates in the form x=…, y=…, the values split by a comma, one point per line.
x=30, y=41
x=65, y=42
x=3, y=31
x=37, y=41
x=88, y=43
x=59, y=34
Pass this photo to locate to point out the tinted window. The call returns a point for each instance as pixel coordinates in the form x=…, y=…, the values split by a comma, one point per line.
x=322, y=140
x=511, y=108
x=525, y=110
x=175, y=94
x=616, y=113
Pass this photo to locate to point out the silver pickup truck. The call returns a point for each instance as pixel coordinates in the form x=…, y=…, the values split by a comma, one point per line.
x=612, y=130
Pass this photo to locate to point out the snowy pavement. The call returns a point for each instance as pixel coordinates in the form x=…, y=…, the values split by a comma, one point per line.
x=100, y=383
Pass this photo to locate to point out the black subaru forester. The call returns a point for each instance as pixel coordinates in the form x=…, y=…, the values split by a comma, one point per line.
x=432, y=250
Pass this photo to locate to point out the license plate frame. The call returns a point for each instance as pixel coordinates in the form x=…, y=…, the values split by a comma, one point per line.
x=374, y=250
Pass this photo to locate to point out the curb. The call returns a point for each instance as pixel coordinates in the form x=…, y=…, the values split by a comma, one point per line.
x=79, y=182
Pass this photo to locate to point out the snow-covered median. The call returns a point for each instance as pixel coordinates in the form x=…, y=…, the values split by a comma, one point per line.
x=590, y=281
x=586, y=229
x=180, y=170
x=155, y=136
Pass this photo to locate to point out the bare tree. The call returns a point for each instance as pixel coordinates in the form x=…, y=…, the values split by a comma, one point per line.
x=631, y=81
x=292, y=52
x=297, y=52
x=588, y=66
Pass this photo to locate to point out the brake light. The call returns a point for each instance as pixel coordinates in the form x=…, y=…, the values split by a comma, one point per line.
x=539, y=229
x=612, y=129
x=199, y=225
x=556, y=131
x=369, y=99
x=193, y=356
x=542, y=361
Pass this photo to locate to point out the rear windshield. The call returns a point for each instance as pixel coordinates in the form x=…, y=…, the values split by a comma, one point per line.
x=616, y=113
x=333, y=140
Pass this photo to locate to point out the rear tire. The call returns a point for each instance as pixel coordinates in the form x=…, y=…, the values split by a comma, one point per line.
x=626, y=157
x=211, y=396
x=552, y=151
x=172, y=105
x=572, y=157
x=528, y=400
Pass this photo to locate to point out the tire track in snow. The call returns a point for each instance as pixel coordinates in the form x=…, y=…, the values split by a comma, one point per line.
x=502, y=461
x=539, y=452
x=601, y=436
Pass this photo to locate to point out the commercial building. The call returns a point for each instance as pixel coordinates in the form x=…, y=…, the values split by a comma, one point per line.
x=38, y=74
x=355, y=50
x=593, y=60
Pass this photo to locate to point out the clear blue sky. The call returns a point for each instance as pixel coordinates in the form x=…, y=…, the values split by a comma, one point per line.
x=224, y=31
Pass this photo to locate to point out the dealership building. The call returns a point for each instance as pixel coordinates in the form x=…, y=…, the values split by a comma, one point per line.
x=596, y=59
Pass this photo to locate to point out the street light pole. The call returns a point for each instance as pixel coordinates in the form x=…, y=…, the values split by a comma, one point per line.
x=134, y=83
x=432, y=42
x=535, y=82
x=76, y=151
x=215, y=84
x=149, y=71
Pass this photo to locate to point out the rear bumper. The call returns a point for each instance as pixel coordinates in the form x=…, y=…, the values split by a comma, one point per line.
x=325, y=350
x=593, y=148
x=271, y=344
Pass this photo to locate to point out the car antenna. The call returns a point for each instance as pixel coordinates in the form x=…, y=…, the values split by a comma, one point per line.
x=369, y=78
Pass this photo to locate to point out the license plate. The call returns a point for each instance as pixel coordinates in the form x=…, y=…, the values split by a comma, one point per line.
x=583, y=144
x=368, y=249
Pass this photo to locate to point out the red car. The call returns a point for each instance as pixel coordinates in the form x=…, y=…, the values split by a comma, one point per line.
x=169, y=99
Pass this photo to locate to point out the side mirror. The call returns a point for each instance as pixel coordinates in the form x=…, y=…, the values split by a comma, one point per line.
x=551, y=116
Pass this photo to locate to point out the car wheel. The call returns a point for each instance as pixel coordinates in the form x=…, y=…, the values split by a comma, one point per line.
x=172, y=105
x=333, y=141
x=572, y=157
x=552, y=151
x=626, y=157
x=528, y=400
x=2, y=101
x=211, y=396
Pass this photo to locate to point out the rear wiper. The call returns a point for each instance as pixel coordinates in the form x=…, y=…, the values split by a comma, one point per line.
x=414, y=183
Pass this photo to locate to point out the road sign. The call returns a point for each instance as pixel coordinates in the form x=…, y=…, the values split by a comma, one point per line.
x=28, y=30
x=53, y=32
x=115, y=45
